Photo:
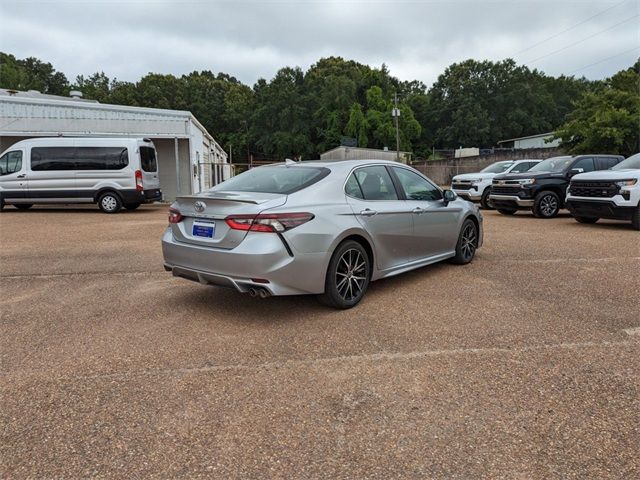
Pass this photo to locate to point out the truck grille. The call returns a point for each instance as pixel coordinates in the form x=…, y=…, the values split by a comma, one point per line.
x=461, y=186
x=505, y=189
x=593, y=189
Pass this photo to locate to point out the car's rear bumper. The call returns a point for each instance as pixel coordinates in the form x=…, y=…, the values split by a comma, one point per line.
x=599, y=209
x=260, y=256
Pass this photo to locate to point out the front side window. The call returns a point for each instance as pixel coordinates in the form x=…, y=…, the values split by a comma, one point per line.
x=375, y=183
x=11, y=162
x=585, y=164
x=521, y=167
x=148, y=159
x=416, y=187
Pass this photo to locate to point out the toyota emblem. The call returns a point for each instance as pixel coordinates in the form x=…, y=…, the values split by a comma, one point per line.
x=200, y=206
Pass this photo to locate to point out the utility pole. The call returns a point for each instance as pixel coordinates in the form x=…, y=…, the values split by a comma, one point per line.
x=396, y=114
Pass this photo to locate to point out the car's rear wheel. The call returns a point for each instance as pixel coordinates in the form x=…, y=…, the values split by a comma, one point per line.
x=23, y=206
x=467, y=243
x=506, y=211
x=586, y=219
x=546, y=205
x=110, y=202
x=485, y=202
x=348, y=276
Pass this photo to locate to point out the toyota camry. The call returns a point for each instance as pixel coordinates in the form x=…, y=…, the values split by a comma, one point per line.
x=324, y=228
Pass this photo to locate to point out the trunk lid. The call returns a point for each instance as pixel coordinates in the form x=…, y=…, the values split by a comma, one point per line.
x=206, y=212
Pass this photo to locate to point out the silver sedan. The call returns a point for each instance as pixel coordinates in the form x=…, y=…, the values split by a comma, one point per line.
x=325, y=228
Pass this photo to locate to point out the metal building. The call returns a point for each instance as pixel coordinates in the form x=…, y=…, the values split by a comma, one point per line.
x=357, y=153
x=189, y=158
x=532, y=141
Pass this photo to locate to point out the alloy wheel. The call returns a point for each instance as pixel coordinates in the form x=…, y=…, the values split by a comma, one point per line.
x=548, y=205
x=469, y=241
x=351, y=274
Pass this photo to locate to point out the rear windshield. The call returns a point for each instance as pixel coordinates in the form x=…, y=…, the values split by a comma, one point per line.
x=497, y=167
x=148, y=159
x=555, y=164
x=631, y=163
x=273, y=179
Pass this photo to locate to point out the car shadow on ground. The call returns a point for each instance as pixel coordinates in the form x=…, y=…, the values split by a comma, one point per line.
x=232, y=306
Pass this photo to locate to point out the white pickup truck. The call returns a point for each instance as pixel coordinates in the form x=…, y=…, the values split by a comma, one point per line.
x=476, y=187
x=613, y=193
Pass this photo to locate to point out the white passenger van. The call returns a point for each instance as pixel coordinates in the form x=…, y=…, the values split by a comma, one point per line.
x=112, y=172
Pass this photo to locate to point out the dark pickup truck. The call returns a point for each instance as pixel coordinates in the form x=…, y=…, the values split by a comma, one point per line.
x=544, y=187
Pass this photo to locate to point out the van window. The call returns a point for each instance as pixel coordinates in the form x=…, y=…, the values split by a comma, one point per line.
x=11, y=162
x=101, y=158
x=148, y=159
x=52, y=158
x=78, y=158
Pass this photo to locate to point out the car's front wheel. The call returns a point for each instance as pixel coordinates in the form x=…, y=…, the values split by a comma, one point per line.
x=467, y=243
x=348, y=276
x=485, y=201
x=546, y=205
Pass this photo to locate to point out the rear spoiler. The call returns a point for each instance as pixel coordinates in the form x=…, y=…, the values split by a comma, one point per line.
x=225, y=199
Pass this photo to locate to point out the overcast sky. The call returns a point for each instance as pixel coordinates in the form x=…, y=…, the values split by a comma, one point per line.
x=250, y=39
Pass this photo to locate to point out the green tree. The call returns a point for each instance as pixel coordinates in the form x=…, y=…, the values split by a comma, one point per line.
x=357, y=125
x=608, y=120
x=96, y=87
x=31, y=74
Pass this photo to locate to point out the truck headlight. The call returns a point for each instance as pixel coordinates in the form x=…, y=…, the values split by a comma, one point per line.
x=627, y=183
x=527, y=181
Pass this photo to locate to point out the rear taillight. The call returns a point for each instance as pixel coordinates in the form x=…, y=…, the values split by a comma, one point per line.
x=175, y=216
x=268, y=222
x=139, y=181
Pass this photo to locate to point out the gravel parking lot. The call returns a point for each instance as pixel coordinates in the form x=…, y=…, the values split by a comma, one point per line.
x=524, y=364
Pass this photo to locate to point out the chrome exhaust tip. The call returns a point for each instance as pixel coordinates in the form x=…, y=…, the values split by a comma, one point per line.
x=253, y=292
x=263, y=293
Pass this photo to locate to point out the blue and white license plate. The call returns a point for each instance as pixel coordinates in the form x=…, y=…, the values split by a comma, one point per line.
x=203, y=229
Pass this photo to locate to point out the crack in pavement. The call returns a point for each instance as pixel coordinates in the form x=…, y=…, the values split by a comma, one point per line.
x=372, y=357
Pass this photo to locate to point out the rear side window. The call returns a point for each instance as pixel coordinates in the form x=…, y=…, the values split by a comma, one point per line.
x=148, y=159
x=606, y=163
x=101, y=158
x=376, y=183
x=11, y=162
x=78, y=158
x=352, y=188
x=273, y=179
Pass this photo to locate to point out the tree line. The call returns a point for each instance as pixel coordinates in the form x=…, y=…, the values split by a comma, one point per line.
x=304, y=113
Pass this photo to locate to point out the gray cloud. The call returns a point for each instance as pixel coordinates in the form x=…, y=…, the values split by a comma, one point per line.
x=252, y=39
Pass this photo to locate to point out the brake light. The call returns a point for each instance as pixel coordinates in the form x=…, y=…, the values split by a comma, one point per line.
x=268, y=222
x=139, y=186
x=175, y=216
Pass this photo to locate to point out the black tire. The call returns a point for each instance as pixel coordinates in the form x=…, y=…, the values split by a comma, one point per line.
x=505, y=211
x=23, y=206
x=546, y=205
x=349, y=269
x=1, y=204
x=131, y=206
x=586, y=219
x=484, y=201
x=467, y=243
x=635, y=219
x=110, y=202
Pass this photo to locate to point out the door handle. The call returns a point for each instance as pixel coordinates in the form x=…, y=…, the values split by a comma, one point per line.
x=418, y=210
x=22, y=175
x=368, y=212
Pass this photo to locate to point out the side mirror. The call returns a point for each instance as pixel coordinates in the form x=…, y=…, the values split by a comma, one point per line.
x=448, y=196
x=575, y=171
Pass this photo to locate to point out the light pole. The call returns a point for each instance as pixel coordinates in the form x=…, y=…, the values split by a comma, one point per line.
x=395, y=113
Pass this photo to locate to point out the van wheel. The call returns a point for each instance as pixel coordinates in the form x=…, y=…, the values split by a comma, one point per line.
x=131, y=206
x=546, y=205
x=23, y=206
x=348, y=276
x=110, y=202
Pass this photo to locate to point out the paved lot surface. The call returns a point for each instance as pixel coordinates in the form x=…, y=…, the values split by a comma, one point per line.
x=523, y=364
